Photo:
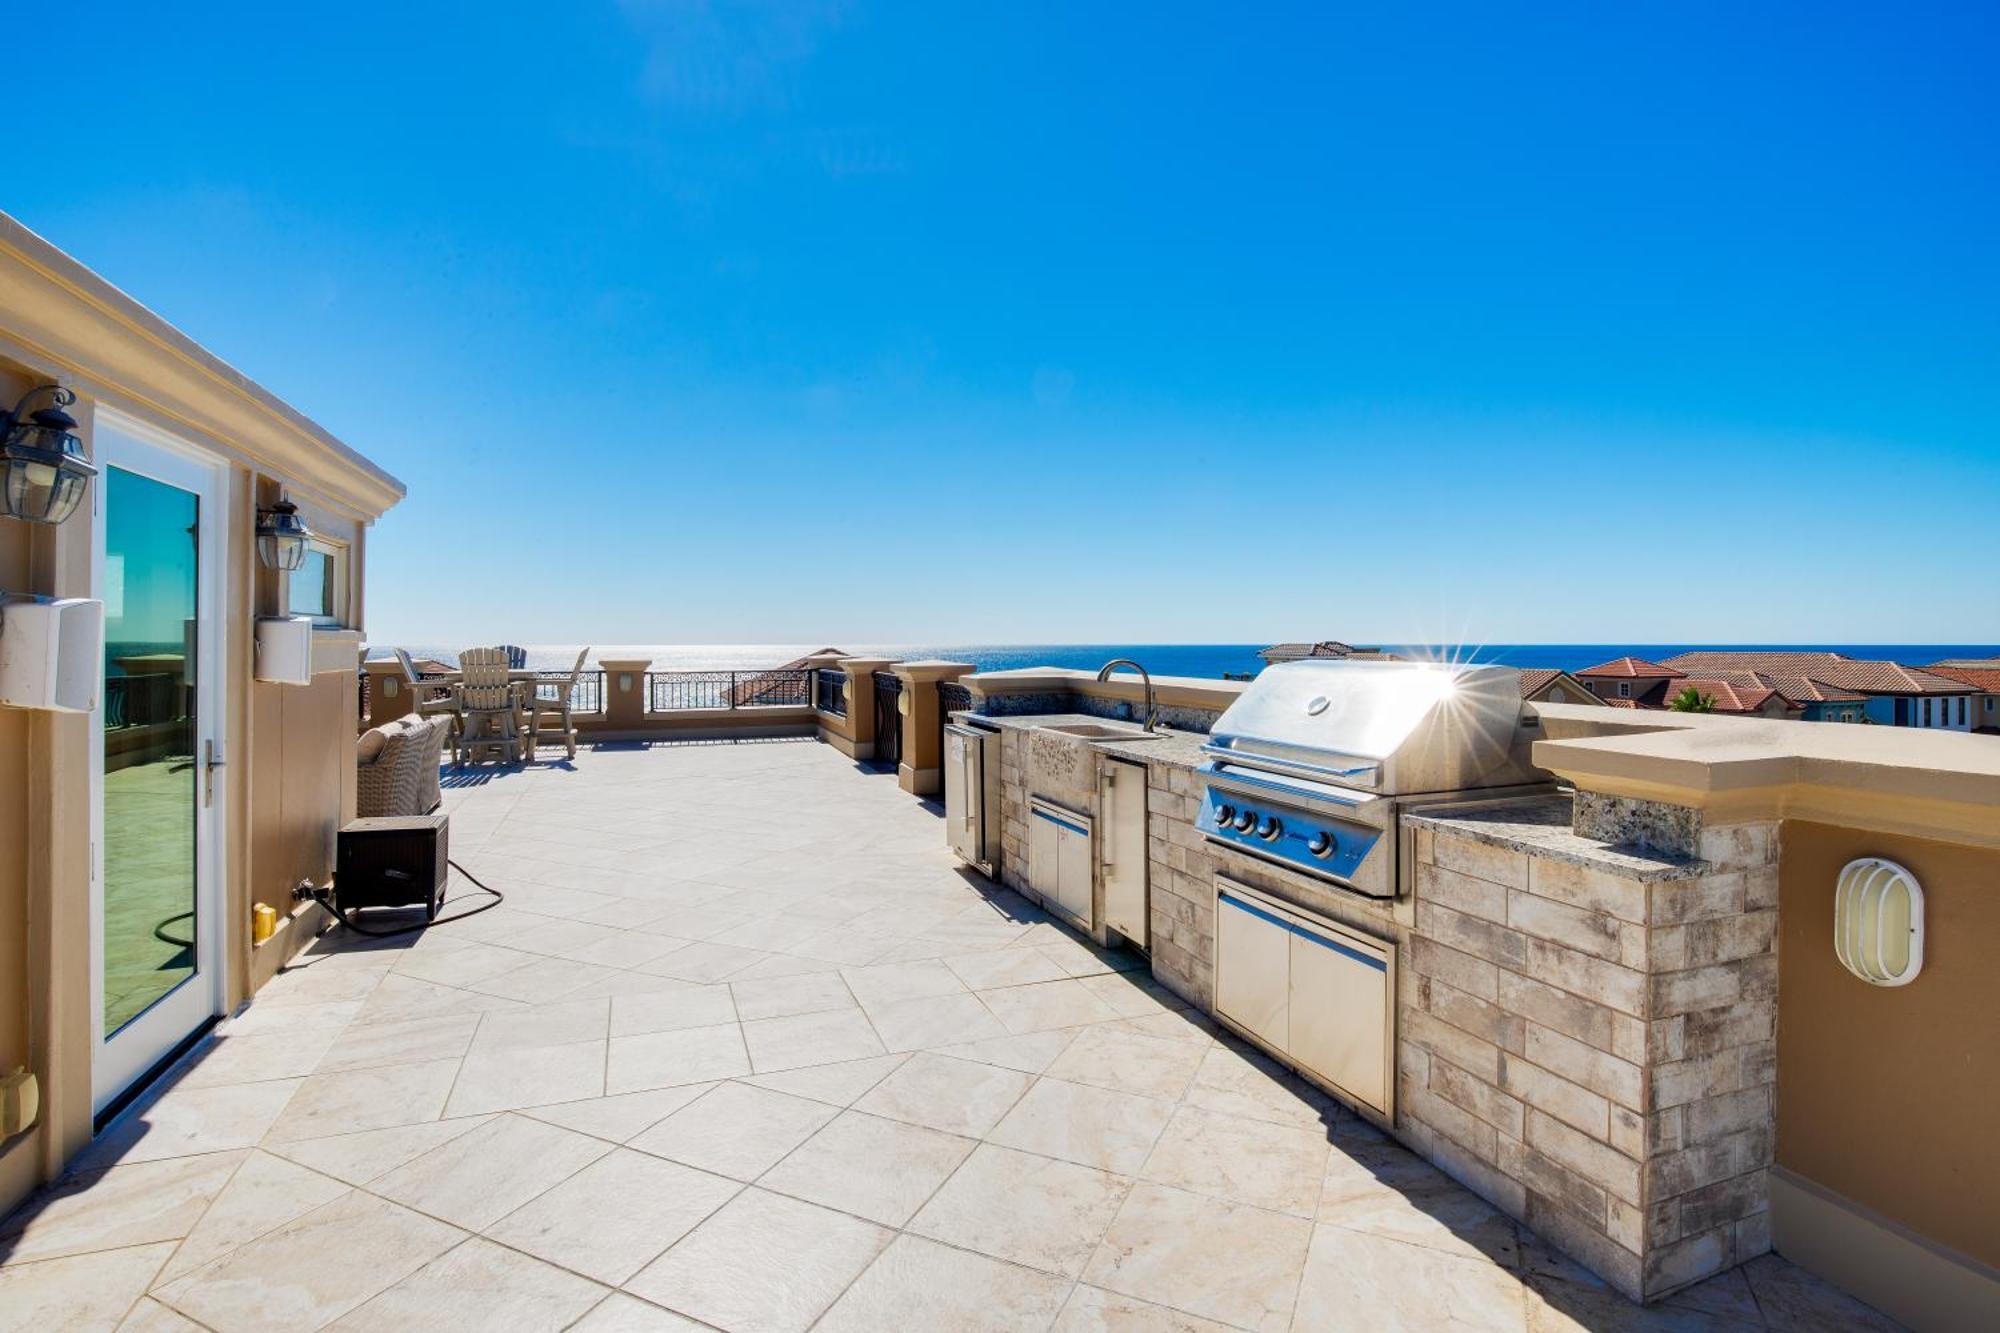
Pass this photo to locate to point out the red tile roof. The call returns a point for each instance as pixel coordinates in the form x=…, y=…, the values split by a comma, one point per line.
x=1631, y=668
x=1738, y=693
x=1534, y=679
x=1829, y=669
x=1980, y=678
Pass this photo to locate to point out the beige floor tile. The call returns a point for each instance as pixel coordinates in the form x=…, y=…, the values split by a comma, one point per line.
x=1106, y=1057
x=265, y=1193
x=255, y=1059
x=478, y=1178
x=1112, y=1131
x=891, y=982
x=736, y=1130
x=412, y=1041
x=1232, y=1081
x=940, y=1092
x=626, y=949
x=462, y=968
x=879, y=1169
x=917, y=1284
x=1220, y=1260
x=1081, y=959
x=1794, y=1301
x=1555, y=1306
x=543, y=981
x=478, y=1287
x=1031, y=1053
x=1023, y=1208
x=667, y=1059
x=614, y=1216
x=669, y=1011
x=563, y=1023
x=619, y=1313
x=1373, y=1282
x=149, y=1316
x=82, y=1291
x=786, y=997
x=839, y=1084
x=1381, y=1188
x=127, y=1205
x=503, y=1078
x=358, y=1099
x=762, y=1264
x=1244, y=1161
x=810, y=1039
x=1004, y=967
x=943, y=1020
x=401, y=998
x=1094, y=1310
x=1133, y=994
x=289, y=1279
x=184, y=1121
x=1046, y=1004
x=359, y=1158
x=704, y=962
x=617, y=1119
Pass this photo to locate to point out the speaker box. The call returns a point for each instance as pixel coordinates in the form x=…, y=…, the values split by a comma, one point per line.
x=394, y=861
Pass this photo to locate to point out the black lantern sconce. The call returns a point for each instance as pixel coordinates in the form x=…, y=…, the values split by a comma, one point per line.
x=282, y=536
x=45, y=467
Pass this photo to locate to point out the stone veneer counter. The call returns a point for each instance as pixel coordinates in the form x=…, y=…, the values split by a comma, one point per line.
x=1541, y=825
x=1177, y=749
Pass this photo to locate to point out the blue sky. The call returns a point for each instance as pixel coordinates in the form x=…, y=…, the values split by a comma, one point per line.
x=1097, y=323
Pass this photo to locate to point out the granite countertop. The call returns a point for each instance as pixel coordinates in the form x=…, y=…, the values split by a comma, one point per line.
x=1178, y=749
x=1541, y=824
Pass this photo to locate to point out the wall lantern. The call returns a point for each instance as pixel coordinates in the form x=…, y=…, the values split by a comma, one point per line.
x=282, y=536
x=1878, y=922
x=45, y=467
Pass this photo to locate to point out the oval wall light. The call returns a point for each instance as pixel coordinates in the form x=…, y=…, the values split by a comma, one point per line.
x=1878, y=921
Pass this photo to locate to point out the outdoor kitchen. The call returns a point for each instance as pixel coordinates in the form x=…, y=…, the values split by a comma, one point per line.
x=1568, y=1001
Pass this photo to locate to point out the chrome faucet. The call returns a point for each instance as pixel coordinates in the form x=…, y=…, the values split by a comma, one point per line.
x=1152, y=709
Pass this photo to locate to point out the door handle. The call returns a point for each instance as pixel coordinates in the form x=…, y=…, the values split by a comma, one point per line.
x=211, y=759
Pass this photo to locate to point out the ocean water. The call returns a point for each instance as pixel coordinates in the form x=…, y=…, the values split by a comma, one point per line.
x=1210, y=660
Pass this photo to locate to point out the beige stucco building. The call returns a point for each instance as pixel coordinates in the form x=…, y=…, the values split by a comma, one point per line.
x=136, y=838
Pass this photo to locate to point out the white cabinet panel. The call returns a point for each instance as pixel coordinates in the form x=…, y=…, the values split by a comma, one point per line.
x=1122, y=824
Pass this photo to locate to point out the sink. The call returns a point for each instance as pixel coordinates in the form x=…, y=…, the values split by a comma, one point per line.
x=1100, y=731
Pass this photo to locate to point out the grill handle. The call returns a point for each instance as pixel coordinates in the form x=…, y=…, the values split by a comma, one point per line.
x=1261, y=759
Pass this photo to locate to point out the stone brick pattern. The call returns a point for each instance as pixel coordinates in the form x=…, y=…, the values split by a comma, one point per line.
x=1181, y=883
x=1595, y=1053
x=1014, y=810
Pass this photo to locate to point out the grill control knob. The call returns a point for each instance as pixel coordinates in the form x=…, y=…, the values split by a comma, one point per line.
x=1225, y=815
x=1321, y=845
x=1273, y=826
x=1246, y=820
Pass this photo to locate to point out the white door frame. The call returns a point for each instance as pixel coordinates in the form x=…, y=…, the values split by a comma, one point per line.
x=124, y=1057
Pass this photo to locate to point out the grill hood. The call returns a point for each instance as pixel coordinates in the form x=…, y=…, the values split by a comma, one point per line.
x=1386, y=728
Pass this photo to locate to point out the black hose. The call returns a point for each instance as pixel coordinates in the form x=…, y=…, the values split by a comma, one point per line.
x=326, y=900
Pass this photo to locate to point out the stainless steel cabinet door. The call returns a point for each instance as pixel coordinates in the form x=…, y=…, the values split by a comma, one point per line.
x=1122, y=824
x=1339, y=1019
x=1044, y=835
x=1073, y=874
x=1253, y=966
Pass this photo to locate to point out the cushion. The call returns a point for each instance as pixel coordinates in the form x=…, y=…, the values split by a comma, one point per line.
x=373, y=741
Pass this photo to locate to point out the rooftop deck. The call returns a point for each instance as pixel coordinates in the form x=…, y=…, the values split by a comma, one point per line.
x=745, y=1049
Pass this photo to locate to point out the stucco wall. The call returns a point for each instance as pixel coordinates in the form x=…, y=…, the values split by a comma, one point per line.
x=1886, y=1094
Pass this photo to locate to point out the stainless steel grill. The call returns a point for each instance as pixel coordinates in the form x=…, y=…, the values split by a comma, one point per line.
x=1310, y=766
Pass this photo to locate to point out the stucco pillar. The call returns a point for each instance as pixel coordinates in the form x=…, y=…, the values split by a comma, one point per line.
x=625, y=692
x=920, y=772
x=861, y=702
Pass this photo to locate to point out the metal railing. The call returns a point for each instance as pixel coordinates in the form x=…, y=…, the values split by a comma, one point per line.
x=693, y=691
x=143, y=701
x=830, y=692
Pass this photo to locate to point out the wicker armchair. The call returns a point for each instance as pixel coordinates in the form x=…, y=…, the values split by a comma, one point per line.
x=396, y=767
x=557, y=708
x=492, y=707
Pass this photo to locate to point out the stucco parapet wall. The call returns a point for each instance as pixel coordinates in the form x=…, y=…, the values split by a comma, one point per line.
x=1187, y=691
x=861, y=666
x=61, y=318
x=932, y=669
x=1931, y=784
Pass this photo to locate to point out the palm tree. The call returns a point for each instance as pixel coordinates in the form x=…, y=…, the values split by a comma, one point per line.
x=1692, y=700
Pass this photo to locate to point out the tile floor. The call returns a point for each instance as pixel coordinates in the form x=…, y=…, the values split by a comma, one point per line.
x=745, y=1050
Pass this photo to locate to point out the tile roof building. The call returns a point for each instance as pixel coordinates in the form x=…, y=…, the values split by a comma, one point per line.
x=1295, y=652
x=1814, y=686
x=1983, y=676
